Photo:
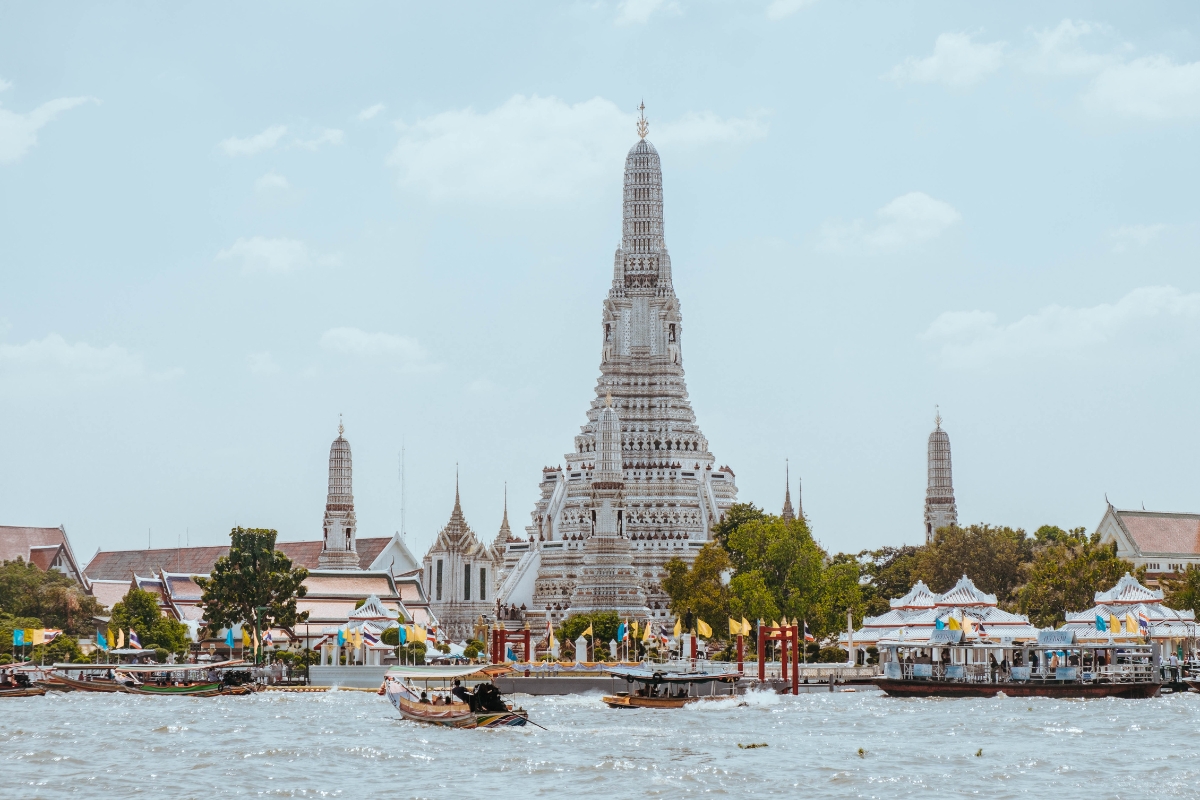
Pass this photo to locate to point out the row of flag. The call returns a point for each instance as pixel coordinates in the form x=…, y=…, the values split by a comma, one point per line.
x=23, y=637
x=1139, y=624
x=626, y=631
x=106, y=639
x=967, y=625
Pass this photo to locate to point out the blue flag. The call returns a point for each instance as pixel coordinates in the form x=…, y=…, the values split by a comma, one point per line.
x=1101, y=625
x=402, y=635
x=229, y=638
x=101, y=641
x=341, y=638
x=18, y=637
x=940, y=625
x=621, y=632
x=510, y=655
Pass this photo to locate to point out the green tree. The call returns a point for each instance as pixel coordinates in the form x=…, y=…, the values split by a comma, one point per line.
x=51, y=597
x=992, y=557
x=889, y=573
x=1184, y=592
x=737, y=515
x=779, y=570
x=604, y=626
x=255, y=584
x=1067, y=570
x=138, y=610
x=699, y=591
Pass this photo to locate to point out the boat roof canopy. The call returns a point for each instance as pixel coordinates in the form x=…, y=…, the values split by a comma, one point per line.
x=644, y=675
x=150, y=667
x=416, y=672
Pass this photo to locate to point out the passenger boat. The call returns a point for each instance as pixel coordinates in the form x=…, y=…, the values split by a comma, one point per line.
x=663, y=689
x=403, y=687
x=1056, y=666
x=187, y=680
x=15, y=682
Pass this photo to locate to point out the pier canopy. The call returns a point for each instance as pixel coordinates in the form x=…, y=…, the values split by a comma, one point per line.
x=1129, y=612
x=913, y=619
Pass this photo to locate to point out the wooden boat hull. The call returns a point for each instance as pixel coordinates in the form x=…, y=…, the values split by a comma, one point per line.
x=631, y=701
x=196, y=690
x=458, y=715
x=901, y=688
x=23, y=691
x=87, y=686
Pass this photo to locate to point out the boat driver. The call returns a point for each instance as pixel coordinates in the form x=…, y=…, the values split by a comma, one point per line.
x=461, y=693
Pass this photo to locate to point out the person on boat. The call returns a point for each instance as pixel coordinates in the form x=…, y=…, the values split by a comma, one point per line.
x=460, y=692
x=424, y=697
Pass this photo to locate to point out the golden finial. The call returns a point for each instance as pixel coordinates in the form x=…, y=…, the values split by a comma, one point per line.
x=341, y=427
x=937, y=417
x=643, y=125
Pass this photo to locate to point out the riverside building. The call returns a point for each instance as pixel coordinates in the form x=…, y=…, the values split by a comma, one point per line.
x=640, y=486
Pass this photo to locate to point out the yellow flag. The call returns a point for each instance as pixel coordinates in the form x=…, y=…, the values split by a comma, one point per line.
x=703, y=629
x=745, y=627
x=968, y=625
x=678, y=628
x=421, y=636
x=1116, y=623
x=1131, y=625
x=112, y=640
x=588, y=632
x=120, y=638
x=646, y=632
x=245, y=636
x=774, y=624
x=735, y=627
x=953, y=625
x=634, y=626
x=39, y=635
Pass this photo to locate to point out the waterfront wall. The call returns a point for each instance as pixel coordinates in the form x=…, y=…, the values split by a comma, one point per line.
x=351, y=677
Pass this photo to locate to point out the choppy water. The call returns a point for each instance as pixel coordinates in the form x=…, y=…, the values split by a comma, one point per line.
x=352, y=744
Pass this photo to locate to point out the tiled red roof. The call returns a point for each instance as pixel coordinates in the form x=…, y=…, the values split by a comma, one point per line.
x=43, y=557
x=1155, y=532
x=117, y=565
x=17, y=541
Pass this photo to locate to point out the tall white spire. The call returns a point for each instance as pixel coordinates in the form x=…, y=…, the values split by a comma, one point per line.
x=940, y=509
x=339, y=547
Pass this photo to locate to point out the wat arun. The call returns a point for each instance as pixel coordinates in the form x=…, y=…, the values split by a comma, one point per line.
x=640, y=486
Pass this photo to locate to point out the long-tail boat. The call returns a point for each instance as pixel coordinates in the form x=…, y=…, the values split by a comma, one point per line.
x=188, y=680
x=16, y=683
x=487, y=708
x=662, y=689
x=1057, y=666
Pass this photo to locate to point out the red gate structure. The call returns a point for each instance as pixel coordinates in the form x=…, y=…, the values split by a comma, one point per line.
x=788, y=637
x=501, y=638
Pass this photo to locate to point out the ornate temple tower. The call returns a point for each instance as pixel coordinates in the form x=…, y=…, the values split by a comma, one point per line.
x=940, y=509
x=459, y=576
x=669, y=491
x=607, y=581
x=338, y=549
x=788, y=514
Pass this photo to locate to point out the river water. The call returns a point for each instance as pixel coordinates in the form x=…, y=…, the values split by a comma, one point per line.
x=352, y=744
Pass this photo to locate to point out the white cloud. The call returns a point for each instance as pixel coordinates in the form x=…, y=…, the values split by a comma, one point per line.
x=18, y=132
x=1140, y=235
x=1152, y=88
x=402, y=351
x=975, y=338
x=252, y=145
x=631, y=12
x=956, y=61
x=54, y=357
x=261, y=363
x=271, y=181
x=536, y=148
x=778, y=9
x=260, y=254
x=369, y=113
x=910, y=219
x=328, y=136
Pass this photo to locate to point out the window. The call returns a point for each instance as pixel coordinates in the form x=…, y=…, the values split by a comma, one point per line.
x=467, y=582
x=483, y=583
x=439, y=579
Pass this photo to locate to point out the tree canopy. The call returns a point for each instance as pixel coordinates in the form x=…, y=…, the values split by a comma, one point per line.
x=51, y=597
x=1067, y=570
x=138, y=610
x=1184, y=592
x=990, y=556
x=255, y=584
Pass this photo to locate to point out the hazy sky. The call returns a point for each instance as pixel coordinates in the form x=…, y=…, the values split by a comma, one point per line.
x=220, y=227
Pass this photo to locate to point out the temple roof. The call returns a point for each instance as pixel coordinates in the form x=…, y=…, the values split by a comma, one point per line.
x=919, y=596
x=1129, y=590
x=964, y=593
x=1160, y=532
